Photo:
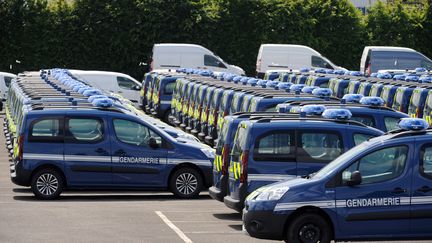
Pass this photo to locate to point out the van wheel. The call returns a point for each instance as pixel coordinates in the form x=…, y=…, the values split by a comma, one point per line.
x=186, y=183
x=47, y=184
x=309, y=228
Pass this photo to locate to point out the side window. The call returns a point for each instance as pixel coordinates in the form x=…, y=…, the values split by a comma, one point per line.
x=382, y=165
x=367, y=120
x=426, y=64
x=319, y=62
x=391, y=123
x=213, y=61
x=275, y=147
x=126, y=83
x=134, y=133
x=319, y=147
x=84, y=130
x=426, y=161
x=46, y=130
x=360, y=138
x=169, y=89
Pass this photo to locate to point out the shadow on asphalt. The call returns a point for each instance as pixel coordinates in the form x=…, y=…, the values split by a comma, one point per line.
x=228, y=216
x=88, y=197
x=237, y=227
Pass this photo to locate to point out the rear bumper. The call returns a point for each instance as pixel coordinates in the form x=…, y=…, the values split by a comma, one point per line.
x=218, y=193
x=19, y=176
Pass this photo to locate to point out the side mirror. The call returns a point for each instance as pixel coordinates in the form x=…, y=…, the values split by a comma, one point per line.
x=356, y=179
x=137, y=87
x=152, y=143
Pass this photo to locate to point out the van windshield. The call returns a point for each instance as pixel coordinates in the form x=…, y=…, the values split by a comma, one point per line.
x=335, y=164
x=398, y=60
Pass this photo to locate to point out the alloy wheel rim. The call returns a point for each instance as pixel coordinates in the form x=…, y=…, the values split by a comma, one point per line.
x=186, y=183
x=47, y=184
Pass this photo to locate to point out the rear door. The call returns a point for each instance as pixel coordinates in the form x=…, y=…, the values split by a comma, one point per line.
x=87, y=150
x=421, y=193
x=316, y=148
x=135, y=163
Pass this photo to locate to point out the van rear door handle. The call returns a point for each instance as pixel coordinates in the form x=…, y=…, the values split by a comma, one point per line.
x=399, y=190
x=424, y=189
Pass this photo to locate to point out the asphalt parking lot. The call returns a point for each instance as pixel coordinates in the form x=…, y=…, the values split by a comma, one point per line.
x=112, y=216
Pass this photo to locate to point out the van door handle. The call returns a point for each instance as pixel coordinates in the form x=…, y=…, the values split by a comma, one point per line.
x=399, y=190
x=424, y=189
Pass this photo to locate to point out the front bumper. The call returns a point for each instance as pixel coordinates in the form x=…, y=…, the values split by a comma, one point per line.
x=264, y=224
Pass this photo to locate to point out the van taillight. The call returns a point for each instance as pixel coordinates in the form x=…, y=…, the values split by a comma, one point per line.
x=259, y=64
x=225, y=154
x=151, y=65
x=244, y=163
x=368, y=69
x=20, y=147
x=159, y=95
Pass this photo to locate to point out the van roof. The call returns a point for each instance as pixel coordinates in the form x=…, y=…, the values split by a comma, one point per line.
x=184, y=45
x=7, y=74
x=288, y=45
x=96, y=72
x=389, y=48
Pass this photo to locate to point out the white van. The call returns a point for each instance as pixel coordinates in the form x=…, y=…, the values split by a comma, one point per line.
x=5, y=80
x=376, y=58
x=173, y=56
x=114, y=82
x=287, y=56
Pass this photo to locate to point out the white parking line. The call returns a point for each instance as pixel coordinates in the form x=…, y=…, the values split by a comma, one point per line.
x=173, y=227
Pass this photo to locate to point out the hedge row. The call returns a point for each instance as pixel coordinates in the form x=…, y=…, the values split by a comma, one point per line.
x=119, y=34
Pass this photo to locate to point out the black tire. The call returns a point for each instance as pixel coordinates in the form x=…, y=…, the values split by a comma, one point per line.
x=309, y=228
x=186, y=183
x=47, y=184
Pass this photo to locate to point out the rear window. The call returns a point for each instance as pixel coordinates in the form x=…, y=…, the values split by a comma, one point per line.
x=8, y=80
x=361, y=137
x=277, y=146
x=46, y=130
x=234, y=103
x=415, y=98
x=367, y=120
x=169, y=88
x=391, y=123
x=320, y=147
x=222, y=136
x=239, y=140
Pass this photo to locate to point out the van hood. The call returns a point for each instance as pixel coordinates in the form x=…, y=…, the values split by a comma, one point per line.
x=236, y=70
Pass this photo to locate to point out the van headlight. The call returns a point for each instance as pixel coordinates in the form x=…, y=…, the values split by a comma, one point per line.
x=209, y=152
x=272, y=193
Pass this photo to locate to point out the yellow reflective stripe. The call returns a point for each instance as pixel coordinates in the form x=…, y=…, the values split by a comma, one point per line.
x=428, y=119
x=142, y=92
x=238, y=170
x=235, y=170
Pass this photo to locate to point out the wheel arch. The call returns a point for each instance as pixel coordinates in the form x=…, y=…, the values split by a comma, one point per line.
x=50, y=166
x=186, y=165
x=310, y=209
